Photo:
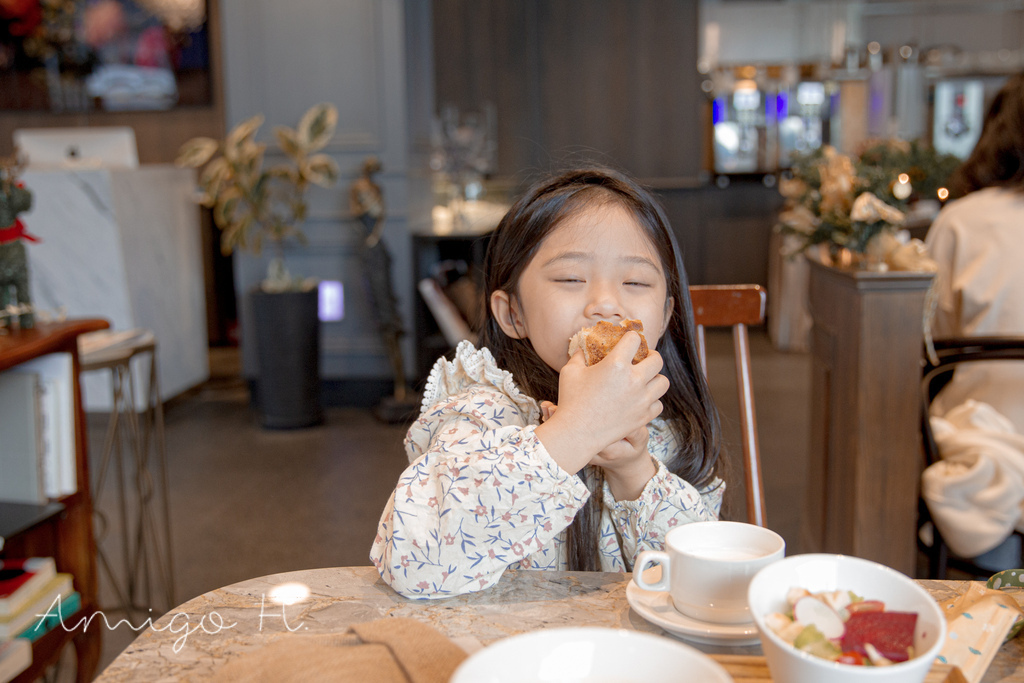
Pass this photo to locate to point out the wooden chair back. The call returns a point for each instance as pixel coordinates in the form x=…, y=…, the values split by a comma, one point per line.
x=736, y=307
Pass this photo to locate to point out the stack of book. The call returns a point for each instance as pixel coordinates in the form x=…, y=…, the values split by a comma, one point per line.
x=34, y=599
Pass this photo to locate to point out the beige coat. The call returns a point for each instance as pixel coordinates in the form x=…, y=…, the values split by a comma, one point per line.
x=978, y=243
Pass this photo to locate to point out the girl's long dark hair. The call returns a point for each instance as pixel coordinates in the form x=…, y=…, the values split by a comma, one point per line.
x=688, y=406
x=998, y=156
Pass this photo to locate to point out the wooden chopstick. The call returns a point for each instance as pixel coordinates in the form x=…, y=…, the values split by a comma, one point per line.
x=754, y=669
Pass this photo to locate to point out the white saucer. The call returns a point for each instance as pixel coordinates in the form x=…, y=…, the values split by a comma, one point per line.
x=656, y=607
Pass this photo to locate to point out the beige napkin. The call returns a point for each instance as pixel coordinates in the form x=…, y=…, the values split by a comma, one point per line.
x=977, y=623
x=390, y=650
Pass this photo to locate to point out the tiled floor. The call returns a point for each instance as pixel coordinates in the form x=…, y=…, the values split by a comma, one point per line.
x=247, y=502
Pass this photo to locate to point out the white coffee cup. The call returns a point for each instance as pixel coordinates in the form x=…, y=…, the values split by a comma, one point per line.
x=706, y=568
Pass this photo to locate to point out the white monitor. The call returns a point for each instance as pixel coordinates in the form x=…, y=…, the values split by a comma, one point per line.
x=99, y=147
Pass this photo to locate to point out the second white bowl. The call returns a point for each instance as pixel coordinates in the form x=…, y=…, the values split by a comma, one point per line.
x=868, y=579
x=589, y=655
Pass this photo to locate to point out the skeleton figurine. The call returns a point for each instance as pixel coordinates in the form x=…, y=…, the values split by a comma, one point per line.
x=366, y=202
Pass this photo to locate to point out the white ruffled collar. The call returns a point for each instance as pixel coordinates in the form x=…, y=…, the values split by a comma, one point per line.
x=475, y=366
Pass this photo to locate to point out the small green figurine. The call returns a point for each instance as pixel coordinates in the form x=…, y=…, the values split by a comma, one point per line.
x=14, y=199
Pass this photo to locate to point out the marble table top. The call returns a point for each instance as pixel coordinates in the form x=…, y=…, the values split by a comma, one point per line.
x=194, y=639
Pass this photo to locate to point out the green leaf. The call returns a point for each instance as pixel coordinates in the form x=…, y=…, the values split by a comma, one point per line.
x=321, y=170
x=224, y=211
x=196, y=152
x=214, y=176
x=243, y=133
x=234, y=234
x=288, y=140
x=254, y=161
x=317, y=126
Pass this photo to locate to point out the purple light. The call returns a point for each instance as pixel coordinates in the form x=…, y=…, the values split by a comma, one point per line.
x=331, y=301
x=782, y=105
x=718, y=110
x=876, y=103
x=771, y=104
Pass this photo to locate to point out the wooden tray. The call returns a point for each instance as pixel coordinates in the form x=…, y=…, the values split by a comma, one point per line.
x=754, y=669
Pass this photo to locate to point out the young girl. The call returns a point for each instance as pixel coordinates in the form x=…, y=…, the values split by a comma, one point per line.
x=524, y=457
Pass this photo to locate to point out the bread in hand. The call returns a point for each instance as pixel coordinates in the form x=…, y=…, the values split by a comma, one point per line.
x=597, y=341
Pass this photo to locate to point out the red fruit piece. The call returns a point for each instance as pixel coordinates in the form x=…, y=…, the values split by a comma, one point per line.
x=851, y=657
x=892, y=633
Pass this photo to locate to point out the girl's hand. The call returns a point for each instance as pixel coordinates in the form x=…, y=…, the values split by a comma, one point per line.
x=627, y=465
x=602, y=404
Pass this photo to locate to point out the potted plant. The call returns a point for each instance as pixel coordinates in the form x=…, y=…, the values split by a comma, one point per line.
x=254, y=204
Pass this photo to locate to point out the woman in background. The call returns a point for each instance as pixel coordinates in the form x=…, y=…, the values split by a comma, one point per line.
x=978, y=242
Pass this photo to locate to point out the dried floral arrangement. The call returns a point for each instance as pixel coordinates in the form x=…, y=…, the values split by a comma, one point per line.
x=847, y=202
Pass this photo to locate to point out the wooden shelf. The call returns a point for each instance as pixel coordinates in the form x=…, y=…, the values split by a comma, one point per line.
x=48, y=647
x=16, y=518
x=61, y=529
x=18, y=346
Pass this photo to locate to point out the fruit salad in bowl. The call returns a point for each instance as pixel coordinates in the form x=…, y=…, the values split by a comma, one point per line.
x=843, y=627
x=841, y=619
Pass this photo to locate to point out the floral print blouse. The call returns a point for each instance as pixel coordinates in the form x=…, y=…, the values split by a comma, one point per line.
x=482, y=494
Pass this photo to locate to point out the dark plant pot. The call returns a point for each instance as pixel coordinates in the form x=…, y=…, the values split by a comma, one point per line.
x=287, y=358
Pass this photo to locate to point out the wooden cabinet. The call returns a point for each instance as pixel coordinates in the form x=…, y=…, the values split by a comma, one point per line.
x=62, y=529
x=863, y=478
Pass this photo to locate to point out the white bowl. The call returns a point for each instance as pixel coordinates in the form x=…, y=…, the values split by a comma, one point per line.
x=870, y=580
x=589, y=655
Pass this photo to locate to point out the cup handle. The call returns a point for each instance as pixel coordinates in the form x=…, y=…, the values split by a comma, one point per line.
x=647, y=558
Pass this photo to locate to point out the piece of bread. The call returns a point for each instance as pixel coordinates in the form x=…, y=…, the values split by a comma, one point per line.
x=597, y=341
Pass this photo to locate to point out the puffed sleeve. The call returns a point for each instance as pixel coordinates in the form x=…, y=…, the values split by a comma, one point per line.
x=483, y=495
x=666, y=502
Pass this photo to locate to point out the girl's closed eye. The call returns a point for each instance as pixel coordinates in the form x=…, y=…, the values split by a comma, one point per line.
x=638, y=283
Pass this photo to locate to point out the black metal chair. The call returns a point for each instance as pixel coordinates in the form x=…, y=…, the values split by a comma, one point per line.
x=938, y=370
